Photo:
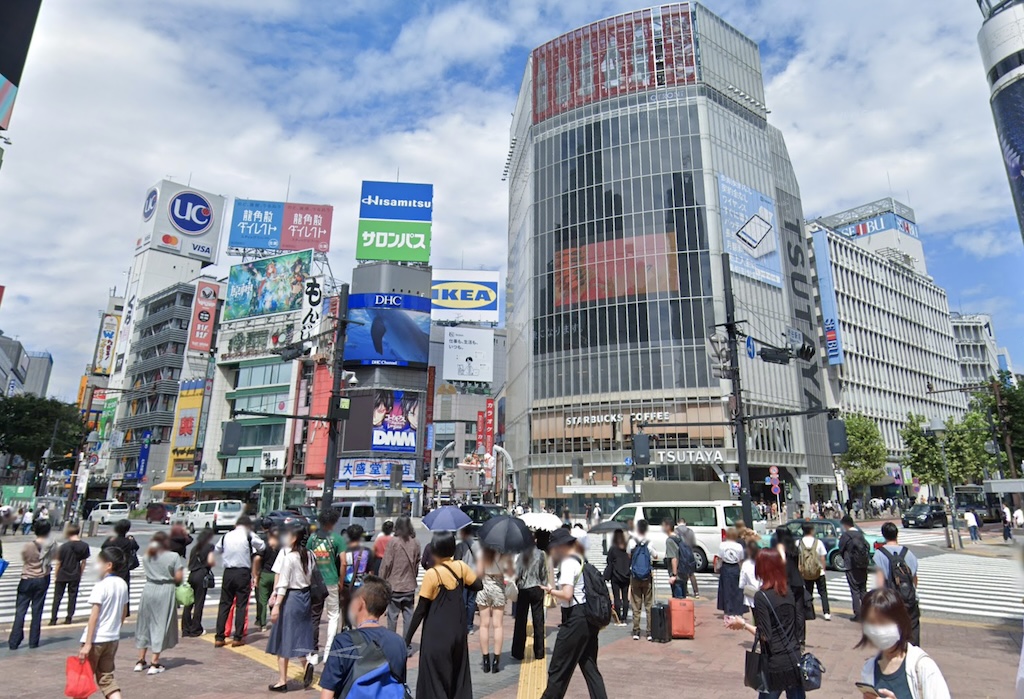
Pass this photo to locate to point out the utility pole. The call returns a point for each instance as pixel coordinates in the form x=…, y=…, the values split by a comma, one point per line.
x=739, y=423
x=334, y=411
x=1003, y=422
x=42, y=475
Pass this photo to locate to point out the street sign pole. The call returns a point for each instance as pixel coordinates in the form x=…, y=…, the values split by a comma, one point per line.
x=739, y=423
x=334, y=412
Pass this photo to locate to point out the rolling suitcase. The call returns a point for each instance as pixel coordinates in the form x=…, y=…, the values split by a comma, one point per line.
x=661, y=625
x=683, y=618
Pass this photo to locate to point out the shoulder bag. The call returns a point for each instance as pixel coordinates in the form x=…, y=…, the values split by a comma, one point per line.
x=809, y=667
x=755, y=667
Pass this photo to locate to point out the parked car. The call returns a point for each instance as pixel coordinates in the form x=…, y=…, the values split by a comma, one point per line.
x=481, y=513
x=278, y=518
x=926, y=516
x=159, y=512
x=828, y=531
x=109, y=511
x=359, y=512
x=707, y=518
x=181, y=514
x=219, y=515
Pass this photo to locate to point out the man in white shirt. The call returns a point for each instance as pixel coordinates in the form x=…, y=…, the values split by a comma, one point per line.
x=811, y=552
x=577, y=641
x=595, y=515
x=1018, y=518
x=237, y=549
x=971, y=520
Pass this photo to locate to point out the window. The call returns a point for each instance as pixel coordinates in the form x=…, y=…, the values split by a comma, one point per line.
x=242, y=466
x=262, y=435
x=270, y=374
x=363, y=511
x=656, y=515
x=698, y=516
x=624, y=515
x=343, y=510
x=270, y=403
x=206, y=507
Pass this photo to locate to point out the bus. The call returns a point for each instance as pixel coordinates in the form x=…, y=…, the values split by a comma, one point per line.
x=974, y=497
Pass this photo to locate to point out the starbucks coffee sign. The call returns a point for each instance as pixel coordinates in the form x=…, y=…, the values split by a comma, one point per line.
x=613, y=418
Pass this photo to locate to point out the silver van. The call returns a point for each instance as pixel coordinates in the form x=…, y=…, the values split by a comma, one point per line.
x=359, y=512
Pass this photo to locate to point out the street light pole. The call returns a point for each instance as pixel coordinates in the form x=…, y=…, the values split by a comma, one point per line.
x=938, y=428
x=334, y=411
x=739, y=422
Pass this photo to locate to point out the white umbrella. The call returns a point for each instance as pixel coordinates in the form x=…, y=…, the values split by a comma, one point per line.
x=542, y=521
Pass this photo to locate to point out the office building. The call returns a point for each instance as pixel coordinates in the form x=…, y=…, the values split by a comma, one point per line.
x=979, y=354
x=640, y=151
x=23, y=371
x=886, y=332
x=1001, y=40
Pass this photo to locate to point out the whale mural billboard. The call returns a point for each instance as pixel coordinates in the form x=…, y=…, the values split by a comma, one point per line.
x=394, y=330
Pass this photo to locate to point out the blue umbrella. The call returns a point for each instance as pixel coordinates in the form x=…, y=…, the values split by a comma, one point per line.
x=446, y=519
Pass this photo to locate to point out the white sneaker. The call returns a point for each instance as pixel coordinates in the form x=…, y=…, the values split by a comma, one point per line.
x=313, y=658
x=828, y=617
x=636, y=637
x=155, y=669
x=650, y=638
x=140, y=666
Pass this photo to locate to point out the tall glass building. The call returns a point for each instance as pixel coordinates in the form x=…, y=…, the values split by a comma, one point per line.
x=640, y=152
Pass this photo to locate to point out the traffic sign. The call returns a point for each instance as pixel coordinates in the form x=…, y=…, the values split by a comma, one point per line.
x=93, y=459
x=751, y=347
x=774, y=470
x=776, y=490
x=629, y=460
x=767, y=481
x=774, y=481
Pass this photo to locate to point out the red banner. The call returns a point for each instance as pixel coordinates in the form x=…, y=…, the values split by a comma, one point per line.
x=480, y=426
x=428, y=445
x=489, y=427
x=204, y=316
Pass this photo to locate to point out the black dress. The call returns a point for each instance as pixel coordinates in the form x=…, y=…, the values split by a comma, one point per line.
x=444, y=659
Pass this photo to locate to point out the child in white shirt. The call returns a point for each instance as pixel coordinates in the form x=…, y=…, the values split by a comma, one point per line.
x=109, y=603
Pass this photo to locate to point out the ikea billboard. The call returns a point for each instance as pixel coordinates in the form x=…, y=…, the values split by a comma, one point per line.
x=465, y=296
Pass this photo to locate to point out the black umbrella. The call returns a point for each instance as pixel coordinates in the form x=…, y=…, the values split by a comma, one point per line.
x=505, y=534
x=606, y=527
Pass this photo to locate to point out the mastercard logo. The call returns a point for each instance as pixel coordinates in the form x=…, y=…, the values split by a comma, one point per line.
x=169, y=240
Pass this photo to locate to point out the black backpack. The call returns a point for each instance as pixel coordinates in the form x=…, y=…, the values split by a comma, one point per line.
x=901, y=578
x=860, y=558
x=598, y=605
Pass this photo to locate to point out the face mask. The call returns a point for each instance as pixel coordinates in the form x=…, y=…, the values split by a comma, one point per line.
x=882, y=636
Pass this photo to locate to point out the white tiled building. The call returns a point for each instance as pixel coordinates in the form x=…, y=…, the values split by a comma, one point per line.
x=976, y=347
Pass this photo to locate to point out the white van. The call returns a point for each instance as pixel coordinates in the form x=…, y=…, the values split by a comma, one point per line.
x=707, y=518
x=110, y=511
x=359, y=512
x=219, y=515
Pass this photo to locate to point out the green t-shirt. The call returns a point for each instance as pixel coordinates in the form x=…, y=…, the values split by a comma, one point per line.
x=326, y=550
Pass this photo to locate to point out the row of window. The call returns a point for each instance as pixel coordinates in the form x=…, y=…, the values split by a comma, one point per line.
x=270, y=403
x=615, y=372
x=266, y=375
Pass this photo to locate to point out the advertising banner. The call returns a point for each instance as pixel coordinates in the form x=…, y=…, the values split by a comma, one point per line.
x=829, y=305
x=626, y=267
x=275, y=225
x=393, y=241
x=466, y=296
x=397, y=201
x=18, y=21
x=103, y=359
x=878, y=224
x=481, y=422
x=142, y=464
x=428, y=445
x=106, y=421
x=181, y=220
x=268, y=286
x=748, y=232
x=489, y=420
x=375, y=469
x=614, y=57
x=1007, y=108
x=204, y=317
x=312, y=310
x=395, y=330
x=396, y=418
x=127, y=320
x=468, y=354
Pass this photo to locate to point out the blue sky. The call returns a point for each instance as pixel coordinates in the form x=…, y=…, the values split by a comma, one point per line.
x=118, y=94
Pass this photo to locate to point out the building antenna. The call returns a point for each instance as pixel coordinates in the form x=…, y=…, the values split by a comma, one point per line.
x=889, y=180
x=908, y=199
x=398, y=174
x=288, y=189
x=189, y=183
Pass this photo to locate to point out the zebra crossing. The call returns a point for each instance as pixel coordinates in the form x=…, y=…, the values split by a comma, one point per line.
x=914, y=537
x=950, y=584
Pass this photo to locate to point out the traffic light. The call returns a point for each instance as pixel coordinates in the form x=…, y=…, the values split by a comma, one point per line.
x=292, y=352
x=231, y=439
x=641, y=449
x=837, y=443
x=718, y=353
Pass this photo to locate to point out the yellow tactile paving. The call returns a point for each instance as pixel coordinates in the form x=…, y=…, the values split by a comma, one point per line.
x=533, y=673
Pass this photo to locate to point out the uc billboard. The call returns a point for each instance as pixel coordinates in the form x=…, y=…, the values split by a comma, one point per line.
x=182, y=221
x=466, y=296
x=395, y=221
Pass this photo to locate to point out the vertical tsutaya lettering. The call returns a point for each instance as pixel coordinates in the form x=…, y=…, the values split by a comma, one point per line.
x=805, y=312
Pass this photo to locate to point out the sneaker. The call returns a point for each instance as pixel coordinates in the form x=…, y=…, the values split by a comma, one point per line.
x=650, y=638
x=313, y=658
x=636, y=637
x=155, y=669
x=828, y=617
x=140, y=666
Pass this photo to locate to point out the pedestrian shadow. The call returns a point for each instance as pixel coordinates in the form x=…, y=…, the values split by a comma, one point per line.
x=173, y=663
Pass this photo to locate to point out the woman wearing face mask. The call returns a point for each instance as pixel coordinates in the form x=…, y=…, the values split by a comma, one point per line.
x=901, y=670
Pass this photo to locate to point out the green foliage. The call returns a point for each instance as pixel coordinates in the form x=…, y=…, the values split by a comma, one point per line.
x=922, y=453
x=1012, y=425
x=864, y=461
x=26, y=427
x=965, y=448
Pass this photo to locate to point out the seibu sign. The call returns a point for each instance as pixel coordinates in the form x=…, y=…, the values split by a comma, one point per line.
x=612, y=418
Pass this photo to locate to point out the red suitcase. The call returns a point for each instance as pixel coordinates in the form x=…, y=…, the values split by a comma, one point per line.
x=683, y=618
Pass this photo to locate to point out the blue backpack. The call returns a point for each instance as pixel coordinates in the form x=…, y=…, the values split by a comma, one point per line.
x=640, y=562
x=371, y=676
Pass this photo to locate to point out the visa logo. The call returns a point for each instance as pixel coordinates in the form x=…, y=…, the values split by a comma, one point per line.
x=204, y=250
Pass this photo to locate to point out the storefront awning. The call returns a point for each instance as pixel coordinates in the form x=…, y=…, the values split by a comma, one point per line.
x=409, y=485
x=230, y=485
x=169, y=486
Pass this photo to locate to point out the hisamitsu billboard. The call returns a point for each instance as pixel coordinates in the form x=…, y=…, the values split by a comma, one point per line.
x=396, y=201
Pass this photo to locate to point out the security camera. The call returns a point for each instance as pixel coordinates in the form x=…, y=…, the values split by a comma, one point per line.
x=353, y=381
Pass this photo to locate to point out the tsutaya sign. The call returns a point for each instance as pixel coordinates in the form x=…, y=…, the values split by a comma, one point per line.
x=610, y=418
x=691, y=456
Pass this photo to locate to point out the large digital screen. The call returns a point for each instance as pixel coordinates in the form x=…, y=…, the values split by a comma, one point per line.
x=392, y=330
x=17, y=22
x=616, y=56
x=749, y=232
x=626, y=267
x=1008, y=111
x=268, y=286
x=396, y=419
x=468, y=354
x=465, y=296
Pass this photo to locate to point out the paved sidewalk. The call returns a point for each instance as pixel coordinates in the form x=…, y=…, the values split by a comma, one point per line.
x=978, y=661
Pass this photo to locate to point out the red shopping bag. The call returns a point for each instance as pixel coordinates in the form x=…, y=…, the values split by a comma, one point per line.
x=81, y=683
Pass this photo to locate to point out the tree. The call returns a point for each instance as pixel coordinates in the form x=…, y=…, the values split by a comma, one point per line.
x=27, y=427
x=1011, y=408
x=864, y=461
x=965, y=447
x=922, y=453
